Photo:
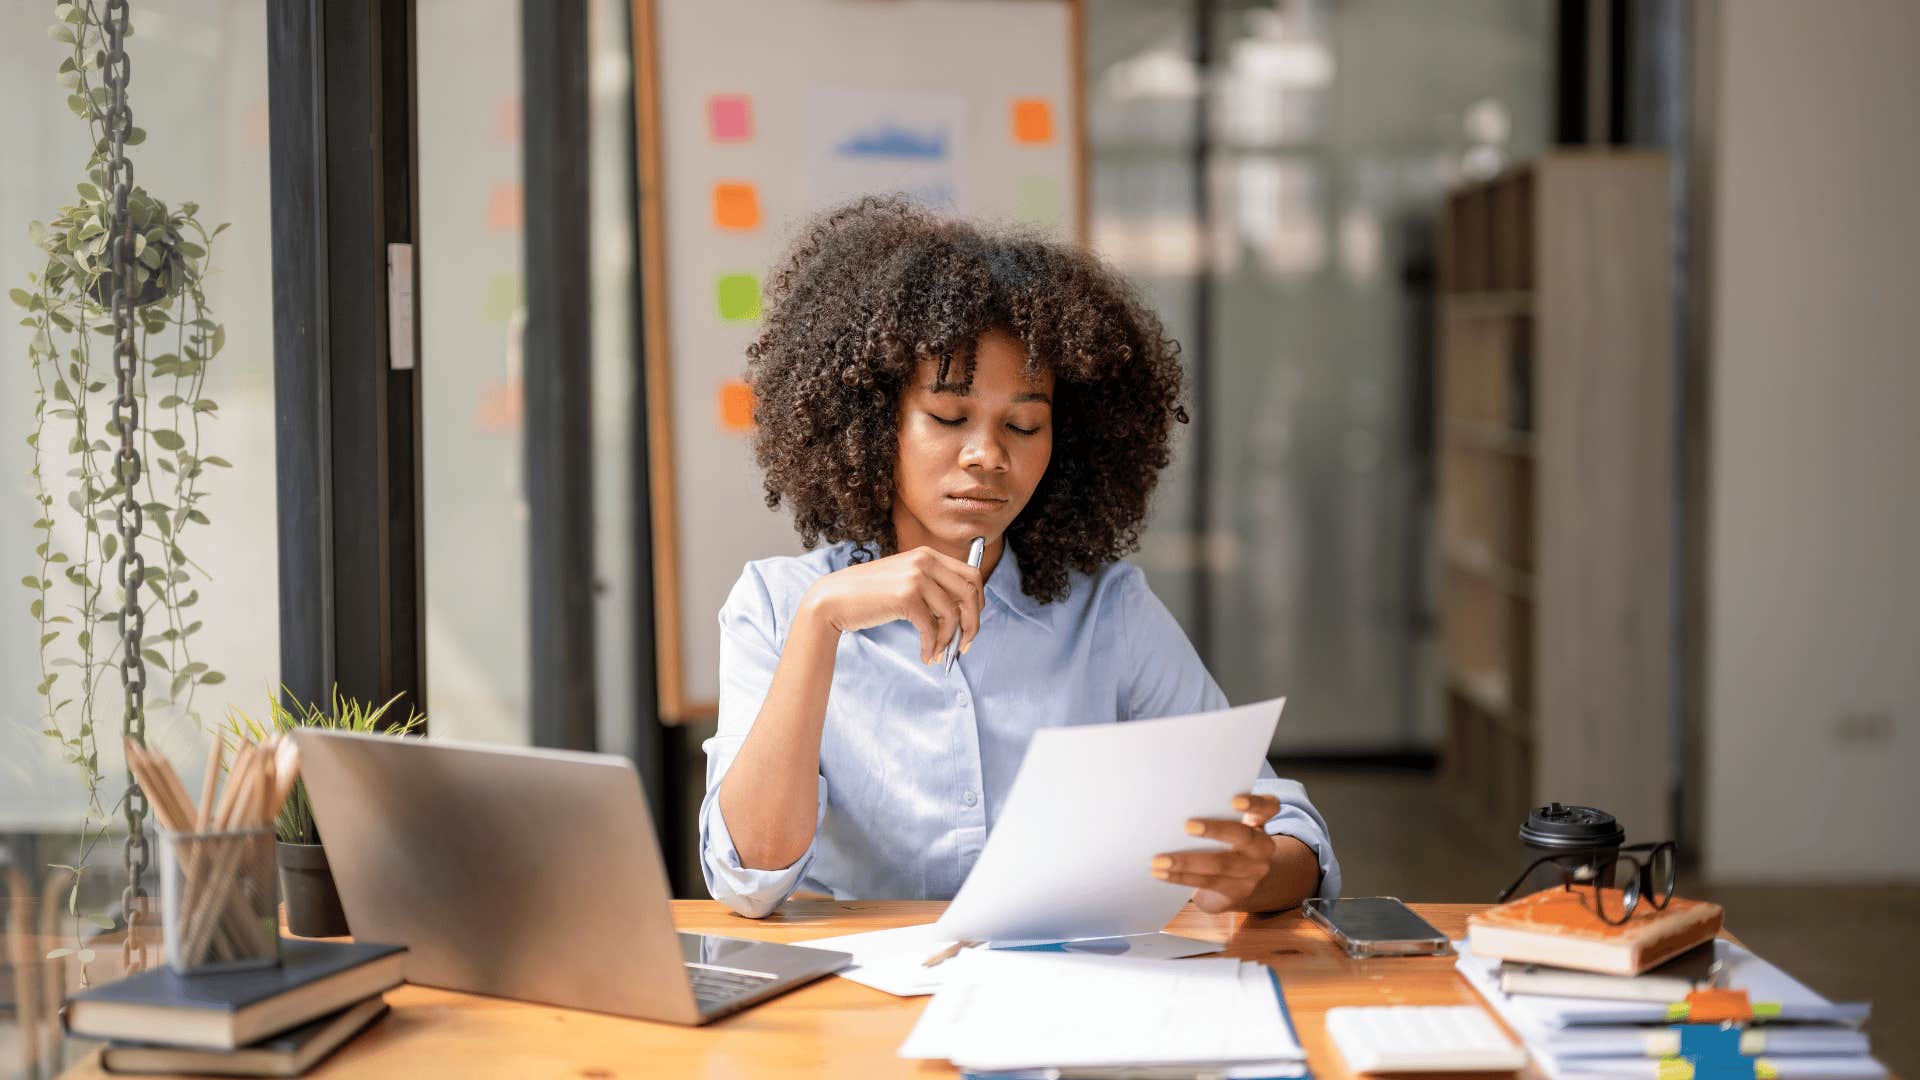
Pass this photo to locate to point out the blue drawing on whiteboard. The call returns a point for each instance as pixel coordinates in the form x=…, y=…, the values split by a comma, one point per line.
x=887, y=140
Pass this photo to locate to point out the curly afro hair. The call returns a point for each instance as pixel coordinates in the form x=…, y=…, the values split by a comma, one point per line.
x=875, y=287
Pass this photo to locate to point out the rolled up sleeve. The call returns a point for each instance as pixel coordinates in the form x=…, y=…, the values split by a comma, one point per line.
x=1170, y=680
x=1298, y=818
x=749, y=654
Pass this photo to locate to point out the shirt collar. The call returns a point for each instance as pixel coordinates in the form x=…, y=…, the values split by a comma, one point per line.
x=1004, y=585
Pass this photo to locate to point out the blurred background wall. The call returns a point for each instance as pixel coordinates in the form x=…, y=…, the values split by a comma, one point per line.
x=1813, y=597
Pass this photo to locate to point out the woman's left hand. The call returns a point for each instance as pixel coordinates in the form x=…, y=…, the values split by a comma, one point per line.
x=1255, y=872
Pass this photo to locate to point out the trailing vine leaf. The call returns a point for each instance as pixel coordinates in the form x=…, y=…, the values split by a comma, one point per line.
x=74, y=444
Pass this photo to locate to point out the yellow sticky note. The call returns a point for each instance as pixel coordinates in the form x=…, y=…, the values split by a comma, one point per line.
x=736, y=206
x=738, y=297
x=501, y=299
x=1039, y=199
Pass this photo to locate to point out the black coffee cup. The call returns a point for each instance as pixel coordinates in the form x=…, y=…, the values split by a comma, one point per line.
x=1558, y=828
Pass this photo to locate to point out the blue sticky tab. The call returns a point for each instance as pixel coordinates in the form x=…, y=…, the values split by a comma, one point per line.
x=1723, y=1068
x=1705, y=1044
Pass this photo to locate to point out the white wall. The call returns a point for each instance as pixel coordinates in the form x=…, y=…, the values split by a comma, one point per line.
x=1813, y=661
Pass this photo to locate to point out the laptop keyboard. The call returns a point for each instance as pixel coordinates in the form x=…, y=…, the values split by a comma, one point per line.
x=714, y=989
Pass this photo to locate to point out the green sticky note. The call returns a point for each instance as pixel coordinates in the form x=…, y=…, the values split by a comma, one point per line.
x=739, y=296
x=1038, y=199
x=502, y=298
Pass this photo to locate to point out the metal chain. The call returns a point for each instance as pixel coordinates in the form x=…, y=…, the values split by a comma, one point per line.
x=127, y=466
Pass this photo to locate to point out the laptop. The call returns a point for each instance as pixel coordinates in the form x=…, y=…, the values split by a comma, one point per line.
x=527, y=874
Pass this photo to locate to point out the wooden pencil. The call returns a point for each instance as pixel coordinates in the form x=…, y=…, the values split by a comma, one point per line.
x=209, y=786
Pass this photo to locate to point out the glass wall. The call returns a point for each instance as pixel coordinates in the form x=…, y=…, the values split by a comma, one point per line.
x=198, y=92
x=1331, y=131
x=472, y=316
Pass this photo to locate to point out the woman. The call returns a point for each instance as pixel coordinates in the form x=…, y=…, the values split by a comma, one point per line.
x=920, y=382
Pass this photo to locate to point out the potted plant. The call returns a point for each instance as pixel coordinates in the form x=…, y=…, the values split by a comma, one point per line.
x=306, y=882
x=81, y=561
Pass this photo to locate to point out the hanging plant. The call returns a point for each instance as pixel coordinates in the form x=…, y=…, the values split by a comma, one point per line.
x=66, y=303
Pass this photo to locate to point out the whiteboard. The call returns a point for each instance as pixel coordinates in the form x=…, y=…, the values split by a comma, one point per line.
x=754, y=115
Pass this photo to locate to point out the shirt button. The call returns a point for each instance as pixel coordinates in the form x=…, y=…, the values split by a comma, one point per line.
x=969, y=798
x=962, y=697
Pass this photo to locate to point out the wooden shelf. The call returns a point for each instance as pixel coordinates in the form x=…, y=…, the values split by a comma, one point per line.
x=1552, y=404
x=1488, y=692
x=1486, y=305
x=1495, y=437
x=1476, y=560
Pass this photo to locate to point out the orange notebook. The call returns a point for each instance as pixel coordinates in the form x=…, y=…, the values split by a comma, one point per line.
x=1560, y=927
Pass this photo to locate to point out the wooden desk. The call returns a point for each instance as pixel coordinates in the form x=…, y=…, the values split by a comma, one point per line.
x=834, y=1028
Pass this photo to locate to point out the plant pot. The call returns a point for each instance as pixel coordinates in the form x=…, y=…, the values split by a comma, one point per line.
x=306, y=884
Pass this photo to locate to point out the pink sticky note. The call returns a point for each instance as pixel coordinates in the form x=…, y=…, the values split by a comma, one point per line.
x=730, y=117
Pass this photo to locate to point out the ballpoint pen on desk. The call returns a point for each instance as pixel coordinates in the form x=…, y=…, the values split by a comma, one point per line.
x=975, y=552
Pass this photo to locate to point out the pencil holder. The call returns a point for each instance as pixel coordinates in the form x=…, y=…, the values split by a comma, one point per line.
x=220, y=900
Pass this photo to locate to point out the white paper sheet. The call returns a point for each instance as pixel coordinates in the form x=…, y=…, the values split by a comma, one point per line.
x=1072, y=853
x=1017, y=1010
x=894, y=960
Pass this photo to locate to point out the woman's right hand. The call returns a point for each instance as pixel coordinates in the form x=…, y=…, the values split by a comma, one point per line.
x=938, y=594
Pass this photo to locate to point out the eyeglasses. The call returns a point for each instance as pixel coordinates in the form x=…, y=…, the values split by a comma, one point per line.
x=1620, y=877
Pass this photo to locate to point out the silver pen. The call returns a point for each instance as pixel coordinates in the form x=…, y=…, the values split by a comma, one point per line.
x=975, y=552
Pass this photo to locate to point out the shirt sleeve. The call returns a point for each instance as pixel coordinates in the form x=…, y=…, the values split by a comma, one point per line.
x=1170, y=680
x=749, y=653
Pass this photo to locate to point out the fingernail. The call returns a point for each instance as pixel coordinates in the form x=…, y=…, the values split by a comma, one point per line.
x=1161, y=874
x=1163, y=862
x=1195, y=828
x=1241, y=802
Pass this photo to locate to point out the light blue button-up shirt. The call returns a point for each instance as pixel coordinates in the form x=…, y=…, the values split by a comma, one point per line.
x=916, y=761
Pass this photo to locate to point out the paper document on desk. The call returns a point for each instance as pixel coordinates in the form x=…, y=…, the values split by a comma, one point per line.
x=1072, y=852
x=894, y=960
x=1017, y=1010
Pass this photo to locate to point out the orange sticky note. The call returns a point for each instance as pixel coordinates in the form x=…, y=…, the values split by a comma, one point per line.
x=1032, y=121
x=501, y=404
x=506, y=120
x=736, y=406
x=504, y=208
x=257, y=131
x=730, y=117
x=736, y=206
x=1716, y=1006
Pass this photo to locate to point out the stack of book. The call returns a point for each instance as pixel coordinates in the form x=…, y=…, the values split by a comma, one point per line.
x=278, y=1021
x=1658, y=997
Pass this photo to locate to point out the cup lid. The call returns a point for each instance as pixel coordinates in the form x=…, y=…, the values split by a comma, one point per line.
x=1562, y=825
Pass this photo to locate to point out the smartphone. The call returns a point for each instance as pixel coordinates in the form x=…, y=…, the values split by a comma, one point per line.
x=1377, y=926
